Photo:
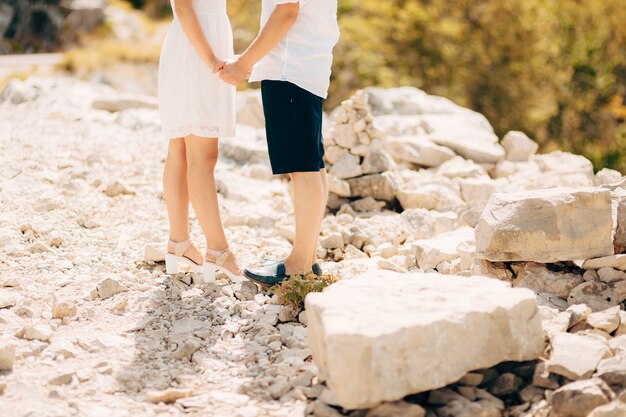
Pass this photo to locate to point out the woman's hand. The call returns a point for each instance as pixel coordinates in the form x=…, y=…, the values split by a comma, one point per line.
x=217, y=65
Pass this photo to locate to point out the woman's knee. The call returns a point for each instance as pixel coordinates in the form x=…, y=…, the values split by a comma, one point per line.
x=176, y=151
x=202, y=154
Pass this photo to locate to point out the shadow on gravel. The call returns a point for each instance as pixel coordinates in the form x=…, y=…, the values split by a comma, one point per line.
x=219, y=347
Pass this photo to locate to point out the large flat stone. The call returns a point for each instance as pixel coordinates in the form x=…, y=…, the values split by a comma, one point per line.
x=545, y=226
x=385, y=335
x=576, y=356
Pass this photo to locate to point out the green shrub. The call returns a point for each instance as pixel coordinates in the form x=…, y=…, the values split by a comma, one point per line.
x=294, y=290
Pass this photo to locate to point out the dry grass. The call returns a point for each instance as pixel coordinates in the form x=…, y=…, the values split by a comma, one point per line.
x=106, y=54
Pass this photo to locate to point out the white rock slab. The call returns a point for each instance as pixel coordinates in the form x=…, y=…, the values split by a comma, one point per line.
x=431, y=252
x=614, y=261
x=518, y=146
x=546, y=225
x=576, y=356
x=384, y=335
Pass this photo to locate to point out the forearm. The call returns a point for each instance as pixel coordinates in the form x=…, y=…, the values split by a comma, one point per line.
x=191, y=26
x=278, y=25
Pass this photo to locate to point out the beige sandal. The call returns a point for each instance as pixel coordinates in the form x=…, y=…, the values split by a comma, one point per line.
x=172, y=259
x=220, y=259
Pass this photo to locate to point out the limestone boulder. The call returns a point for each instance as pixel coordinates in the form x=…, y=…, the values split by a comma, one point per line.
x=576, y=356
x=563, y=169
x=614, y=261
x=546, y=225
x=385, y=335
x=518, y=146
x=607, y=176
x=541, y=280
x=578, y=399
x=431, y=252
x=418, y=150
x=378, y=186
x=619, y=200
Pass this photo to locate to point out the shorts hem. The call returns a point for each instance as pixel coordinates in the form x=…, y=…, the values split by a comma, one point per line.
x=282, y=171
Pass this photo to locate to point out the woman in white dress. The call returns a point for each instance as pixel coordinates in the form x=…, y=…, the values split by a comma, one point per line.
x=197, y=109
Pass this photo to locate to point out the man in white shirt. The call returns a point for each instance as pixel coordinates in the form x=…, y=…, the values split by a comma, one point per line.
x=292, y=57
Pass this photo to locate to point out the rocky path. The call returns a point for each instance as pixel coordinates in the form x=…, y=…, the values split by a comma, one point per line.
x=92, y=326
x=97, y=328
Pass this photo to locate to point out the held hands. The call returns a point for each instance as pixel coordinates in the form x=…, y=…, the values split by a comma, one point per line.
x=235, y=72
x=217, y=65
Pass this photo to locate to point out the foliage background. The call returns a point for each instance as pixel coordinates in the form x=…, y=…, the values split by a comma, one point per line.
x=555, y=69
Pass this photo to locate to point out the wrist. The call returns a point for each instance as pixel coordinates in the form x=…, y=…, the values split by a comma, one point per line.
x=245, y=62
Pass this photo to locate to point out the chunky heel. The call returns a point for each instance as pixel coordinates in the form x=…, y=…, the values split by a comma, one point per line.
x=171, y=263
x=172, y=260
x=209, y=273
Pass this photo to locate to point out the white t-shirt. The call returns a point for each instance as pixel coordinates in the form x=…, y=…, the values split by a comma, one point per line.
x=305, y=56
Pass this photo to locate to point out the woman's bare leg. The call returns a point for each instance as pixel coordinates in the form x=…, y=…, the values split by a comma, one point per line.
x=177, y=196
x=202, y=154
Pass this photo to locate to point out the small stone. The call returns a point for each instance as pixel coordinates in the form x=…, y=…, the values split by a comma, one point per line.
x=3, y=386
x=531, y=394
x=344, y=135
x=518, y=146
x=247, y=291
x=322, y=410
x=41, y=332
x=39, y=247
x=186, y=349
x=578, y=399
x=117, y=188
x=7, y=355
x=610, y=275
x=167, y=396
x=444, y=396
x=542, y=377
x=302, y=317
x=334, y=241
x=621, y=330
x=62, y=379
x=339, y=186
x=467, y=409
x=472, y=379
x=62, y=309
x=376, y=162
x=614, y=409
x=288, y=313
x=152, y=254
x=591, y=275
x=607, y=320
x=576, y=356
x=348, y=166
x=506, y=384
x=613, y=370
x=109, y=287
x=578, y=313
x=396, y=409
x=597, y=295
x=7, y=299
x=613, y=261
x=279, y=388
x=54, y=239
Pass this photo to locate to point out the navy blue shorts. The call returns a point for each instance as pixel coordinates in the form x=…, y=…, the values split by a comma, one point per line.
x=293, y=123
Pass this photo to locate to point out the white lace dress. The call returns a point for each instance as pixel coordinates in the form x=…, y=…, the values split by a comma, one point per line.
x=193, y=100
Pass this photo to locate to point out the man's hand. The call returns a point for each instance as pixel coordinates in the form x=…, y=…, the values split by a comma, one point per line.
x=235, y=72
